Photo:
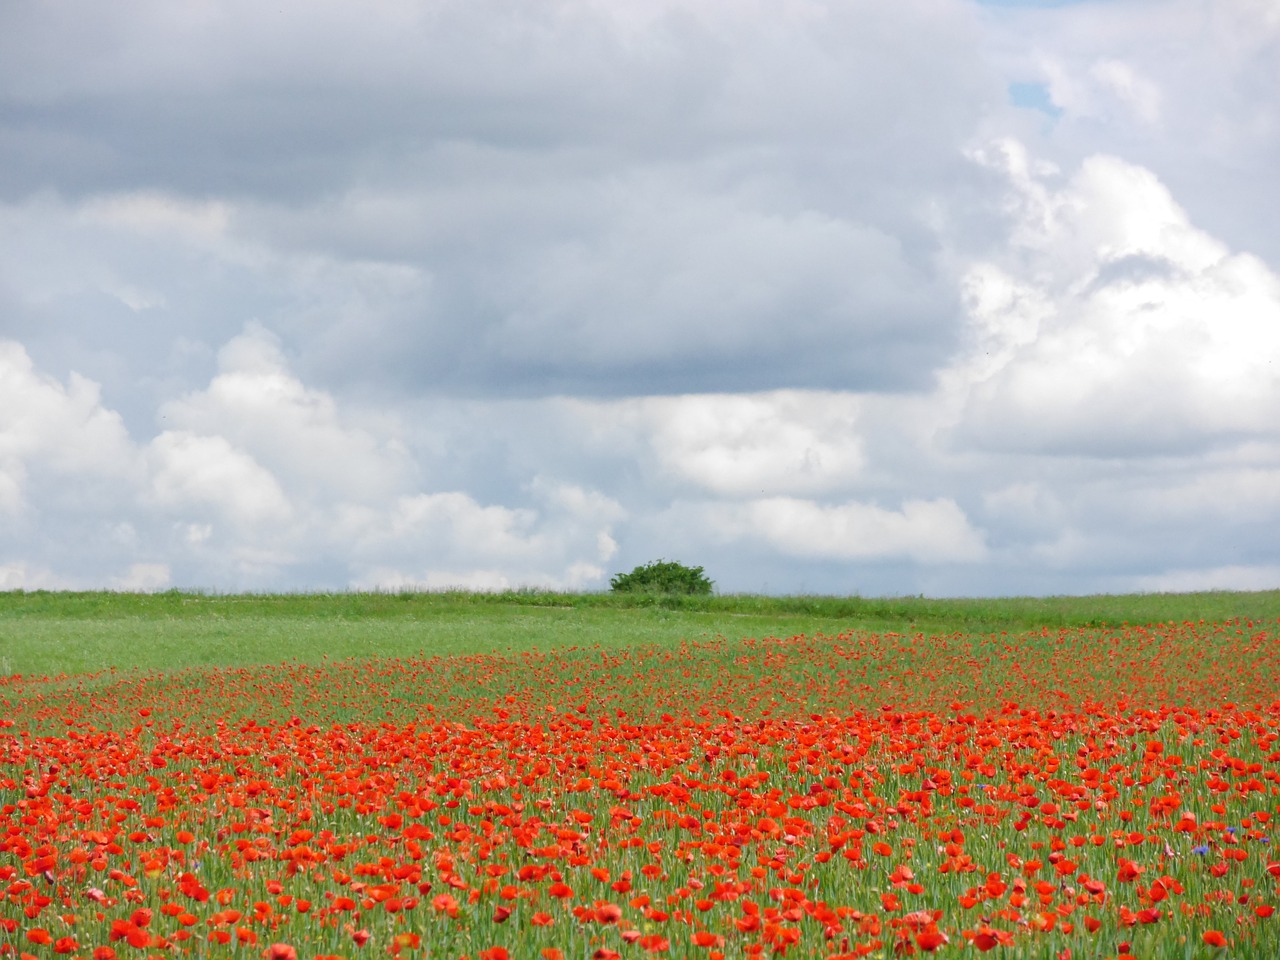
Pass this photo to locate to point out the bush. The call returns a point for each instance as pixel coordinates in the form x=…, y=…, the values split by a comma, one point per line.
x=662, y=576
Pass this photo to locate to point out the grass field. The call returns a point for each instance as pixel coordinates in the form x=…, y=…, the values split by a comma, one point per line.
x=562, y=777
x=47, y=633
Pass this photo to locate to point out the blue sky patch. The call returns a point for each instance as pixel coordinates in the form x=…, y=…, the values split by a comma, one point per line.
x=1034, y=96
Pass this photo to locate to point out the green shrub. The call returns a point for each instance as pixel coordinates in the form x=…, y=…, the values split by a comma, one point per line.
x=662, y=576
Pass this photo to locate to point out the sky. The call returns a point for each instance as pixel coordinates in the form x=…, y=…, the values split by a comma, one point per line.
x=825, y=296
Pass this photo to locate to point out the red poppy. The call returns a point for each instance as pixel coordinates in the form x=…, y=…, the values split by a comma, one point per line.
x=930, y=940
x=608, y=913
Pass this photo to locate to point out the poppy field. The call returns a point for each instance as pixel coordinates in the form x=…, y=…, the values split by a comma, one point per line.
x=1065, y=793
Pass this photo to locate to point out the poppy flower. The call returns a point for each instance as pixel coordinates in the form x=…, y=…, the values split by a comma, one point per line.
x=930, y=940
x=608, y=913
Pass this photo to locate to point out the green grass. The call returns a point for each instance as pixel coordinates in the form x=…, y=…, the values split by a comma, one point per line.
x=50, y=633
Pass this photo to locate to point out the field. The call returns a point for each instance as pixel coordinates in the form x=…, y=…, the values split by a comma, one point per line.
x=586, y=777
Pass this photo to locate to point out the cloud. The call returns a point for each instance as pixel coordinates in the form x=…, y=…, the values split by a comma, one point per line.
x=288, y=99
x=1107, y=88
x=49, y=427
x=297, y=433
x=579, y=576
x=498, y=200
x=925, y=531
x=1114, y=326
x=191, y=471
x=21, y=576
x=142, y=578
x=450, y=540
x=474, y=293
x=161, y=216
x=679, y=276
x=347, y=490
x=1211, y=578
x=1026, y=505
x=1229, y=493
x=1188, y=94
x=260, y=480
x=755, y=444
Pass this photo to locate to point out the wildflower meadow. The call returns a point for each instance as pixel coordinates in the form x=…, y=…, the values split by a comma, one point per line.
x=1057, y=793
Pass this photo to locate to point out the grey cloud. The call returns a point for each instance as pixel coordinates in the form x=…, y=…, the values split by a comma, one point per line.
x=221, y=98
x=490, y=293
x=1133, y=269
x=594, y=200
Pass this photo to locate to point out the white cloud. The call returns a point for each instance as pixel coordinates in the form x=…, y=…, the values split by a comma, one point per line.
x=160, y=216
x=260, y=474
x=1137, y=92
x=1238, y=494
x=1114, y=326
x=1211, y=578
x=441, y=540
x=781, y=442
x=462, y=524
x=924, y=531
x=295, y=432
x=578, y=576
x=192, y=472
x=64, y=428
x=389, y=578
x=23, y=576
x=197, y=533
x=142, y=578
x=1107, y=88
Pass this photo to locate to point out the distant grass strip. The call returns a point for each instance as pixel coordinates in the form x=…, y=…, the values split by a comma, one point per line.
x=45, y=633
x=1016, y=612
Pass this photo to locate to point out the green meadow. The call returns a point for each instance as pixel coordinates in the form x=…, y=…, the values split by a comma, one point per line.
x=53, y=633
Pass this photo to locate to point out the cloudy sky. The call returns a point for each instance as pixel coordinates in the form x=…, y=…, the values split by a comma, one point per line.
x=929, y=296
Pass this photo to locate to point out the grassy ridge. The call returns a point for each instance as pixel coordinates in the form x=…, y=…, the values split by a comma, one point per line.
x=946, y=613
x=50, y=633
